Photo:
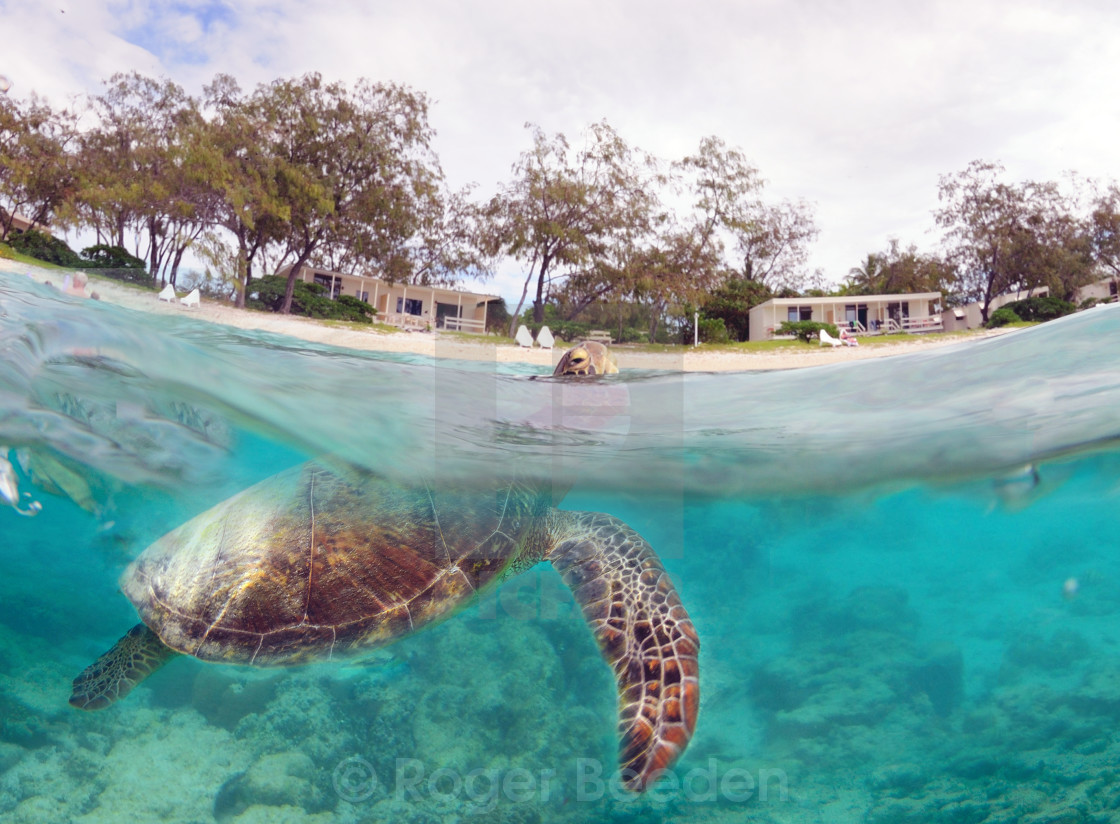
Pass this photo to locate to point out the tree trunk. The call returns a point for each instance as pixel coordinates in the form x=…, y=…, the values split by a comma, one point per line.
x=538, y=303
x=654, y=319
x=243, y=264
x=286, y=307
x=517, y=315
x=175, y=265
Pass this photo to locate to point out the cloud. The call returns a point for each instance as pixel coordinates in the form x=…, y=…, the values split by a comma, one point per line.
x=857, y=105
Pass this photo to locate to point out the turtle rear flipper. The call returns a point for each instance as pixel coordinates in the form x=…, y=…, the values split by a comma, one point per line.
x=644, y=633
x=112, y=676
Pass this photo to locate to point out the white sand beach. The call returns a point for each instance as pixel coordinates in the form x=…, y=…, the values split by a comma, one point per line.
x=455, y=346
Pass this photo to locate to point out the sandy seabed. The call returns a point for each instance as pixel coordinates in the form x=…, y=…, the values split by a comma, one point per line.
x=450, y=345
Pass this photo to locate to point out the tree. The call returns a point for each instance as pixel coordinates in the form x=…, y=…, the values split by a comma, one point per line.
x=899, y=271
x=868, y=277
x=352, y=167
x=1057, y=250
x=150, y=167
x=562, y=210
x=251, y=208
x=36, y=170
x=1005, y=237
x=770, y=242
x=1104, y=228
x=732, y=303
x=679, y=267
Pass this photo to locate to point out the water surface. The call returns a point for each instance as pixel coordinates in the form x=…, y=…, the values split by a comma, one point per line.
x=903, y=572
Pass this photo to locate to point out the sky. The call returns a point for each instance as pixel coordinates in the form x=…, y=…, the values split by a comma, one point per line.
x=856, y=106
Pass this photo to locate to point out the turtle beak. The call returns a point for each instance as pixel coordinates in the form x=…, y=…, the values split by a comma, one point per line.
x=575, y=362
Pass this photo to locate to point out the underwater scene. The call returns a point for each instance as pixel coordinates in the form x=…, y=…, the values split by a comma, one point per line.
x=902, y=572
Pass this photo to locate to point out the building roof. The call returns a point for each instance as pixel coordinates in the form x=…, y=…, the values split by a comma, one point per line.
x=847, y=299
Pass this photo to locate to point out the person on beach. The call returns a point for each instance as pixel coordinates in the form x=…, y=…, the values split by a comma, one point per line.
x=77, y=287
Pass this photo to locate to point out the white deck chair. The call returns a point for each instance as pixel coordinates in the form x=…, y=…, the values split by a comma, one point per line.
x=544, y=338
x=168, y=294
x=831, y=341
x=523, y=337
x=193, y=299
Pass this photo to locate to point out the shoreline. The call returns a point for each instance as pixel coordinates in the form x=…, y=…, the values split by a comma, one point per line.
x=450, y=346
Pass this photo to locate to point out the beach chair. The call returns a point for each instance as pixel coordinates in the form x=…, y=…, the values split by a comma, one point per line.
x=193, y=299
x=523, y=337
x=544, y=338
x=831, y=341
x=168, y=294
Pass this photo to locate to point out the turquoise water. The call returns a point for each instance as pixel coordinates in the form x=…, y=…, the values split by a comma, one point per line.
x=903, y=573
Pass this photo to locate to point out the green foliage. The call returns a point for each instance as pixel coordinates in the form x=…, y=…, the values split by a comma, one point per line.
x=117, y=263
x=571, y=330
x=712, y=330
x=42, y=246
x=103, y=256
x=807, y=330
x=358, y=309
x=497, y=317
x=732, y=302
x=1040, y=308
x=563, y=329
x=308, y=299
x=1002, y=316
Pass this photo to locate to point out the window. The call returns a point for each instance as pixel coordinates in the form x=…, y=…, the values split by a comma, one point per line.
x=1112, y=288
x=412, y=306
x=797, y=313
x=363, y=296
x=333, y=285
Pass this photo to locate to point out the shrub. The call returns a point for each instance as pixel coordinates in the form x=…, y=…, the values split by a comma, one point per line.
x=712, y=330
x=103, y=256
x=631, y=334
x=1040, y=308
x=497, y=317
x=44, y=247
x=358, y=308
x=116, y=262
x=733, y=302
x=563, y=329
x=807, y=330
x=308, y=299
x=1002, y=316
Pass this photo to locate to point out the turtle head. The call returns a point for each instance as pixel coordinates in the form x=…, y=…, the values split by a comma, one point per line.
x=587, y=358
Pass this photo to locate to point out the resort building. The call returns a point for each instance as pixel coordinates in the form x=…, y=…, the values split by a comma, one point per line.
x=862, y=314
x=1104, y=291
x=22, y=224
x=399, y=304
x=969, y=316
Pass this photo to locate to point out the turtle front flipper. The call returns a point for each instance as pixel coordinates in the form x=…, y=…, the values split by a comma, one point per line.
x=112, y=676
x=644, y=633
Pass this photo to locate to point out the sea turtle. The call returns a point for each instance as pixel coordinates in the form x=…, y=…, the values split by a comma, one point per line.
x=587, y=358
x=316, y=562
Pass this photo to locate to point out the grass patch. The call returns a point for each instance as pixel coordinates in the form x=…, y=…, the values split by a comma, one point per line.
x=796, y=345
x=334, y=323
x=8, y=252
